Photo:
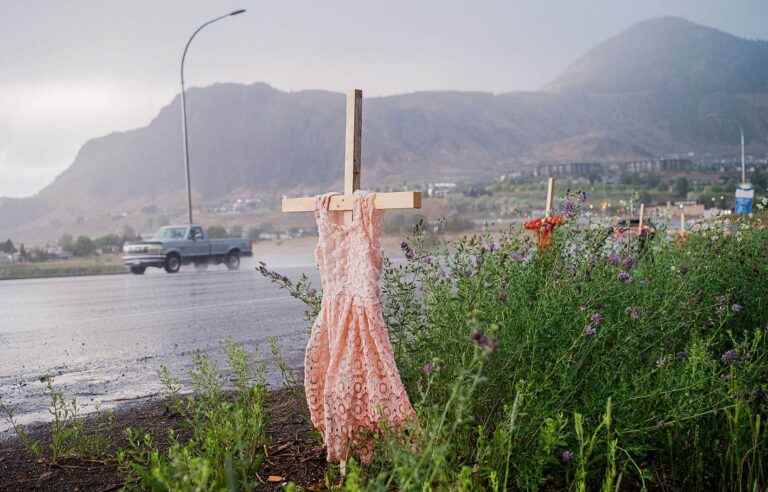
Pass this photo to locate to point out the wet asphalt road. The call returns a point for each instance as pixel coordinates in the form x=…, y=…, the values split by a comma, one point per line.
x=104, y=338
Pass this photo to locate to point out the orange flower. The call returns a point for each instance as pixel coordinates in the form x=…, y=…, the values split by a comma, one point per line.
x=543, y=228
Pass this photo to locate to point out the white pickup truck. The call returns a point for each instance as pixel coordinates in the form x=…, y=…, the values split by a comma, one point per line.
x=173, y=246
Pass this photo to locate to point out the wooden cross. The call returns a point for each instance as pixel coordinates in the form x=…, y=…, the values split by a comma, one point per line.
x=384, y=201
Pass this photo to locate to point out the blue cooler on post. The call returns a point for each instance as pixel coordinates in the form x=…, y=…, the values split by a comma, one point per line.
x=744, y=195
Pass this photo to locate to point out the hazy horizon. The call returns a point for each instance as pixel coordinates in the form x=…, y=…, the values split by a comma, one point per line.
x=75, y=74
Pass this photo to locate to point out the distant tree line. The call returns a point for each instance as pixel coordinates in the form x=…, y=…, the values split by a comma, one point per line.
x=23, y=254
x=83, y=246
x=8, y=247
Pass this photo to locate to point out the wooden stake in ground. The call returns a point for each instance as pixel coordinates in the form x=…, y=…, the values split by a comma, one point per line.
x=682, y=223
x=550, y=191
x=352, y=171
x=544, y=226
x=640, y=225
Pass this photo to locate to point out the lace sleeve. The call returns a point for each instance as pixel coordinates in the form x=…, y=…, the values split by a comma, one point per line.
x=372, y=219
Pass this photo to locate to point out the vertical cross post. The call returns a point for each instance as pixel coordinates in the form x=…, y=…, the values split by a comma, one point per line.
x=550, y=191
x=640, y=224
x=353, y=144
x=352, y=162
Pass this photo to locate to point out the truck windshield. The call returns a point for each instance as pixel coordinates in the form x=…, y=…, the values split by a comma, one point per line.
x=171, y=233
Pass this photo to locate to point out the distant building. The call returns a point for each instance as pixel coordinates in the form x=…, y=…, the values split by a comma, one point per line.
x=269, y=236
x=689, y=208
x=57, y=252
x=110, y=249
x=591, y=170
x=440, y=189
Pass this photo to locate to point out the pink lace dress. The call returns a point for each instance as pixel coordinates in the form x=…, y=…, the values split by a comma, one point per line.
x=351, y=380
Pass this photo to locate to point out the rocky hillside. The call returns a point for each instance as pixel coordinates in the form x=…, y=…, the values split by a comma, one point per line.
x=647, y=92
x=670, y=54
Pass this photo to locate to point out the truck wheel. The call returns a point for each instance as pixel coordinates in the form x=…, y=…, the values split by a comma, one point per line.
x=138, y=270
x=233, y=260
x=172, y=263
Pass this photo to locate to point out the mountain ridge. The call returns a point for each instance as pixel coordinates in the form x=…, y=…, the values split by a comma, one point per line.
x=253, y=136
x=669, y=53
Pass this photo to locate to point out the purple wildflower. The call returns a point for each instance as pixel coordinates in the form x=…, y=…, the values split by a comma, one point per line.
x=633, y=312
x=566, y=456
x=614, y=259
x=625, y=277
x=590, y=331
x=427, y=369
x=730, y=356
x=629, y=263
x=407, y=250
x=493, y=247
x=479, y=338
x=597, y=319
x=568, y=208
x=272, y=275
x=737, y=308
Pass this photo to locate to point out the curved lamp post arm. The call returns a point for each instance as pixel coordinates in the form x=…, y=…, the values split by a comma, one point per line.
x=184, y=107
x=186, y=47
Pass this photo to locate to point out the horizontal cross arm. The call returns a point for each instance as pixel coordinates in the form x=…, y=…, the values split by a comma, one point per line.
x=383, y=201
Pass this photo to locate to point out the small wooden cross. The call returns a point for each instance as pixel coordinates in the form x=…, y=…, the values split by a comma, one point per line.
x=402, y=199
x=682, y=223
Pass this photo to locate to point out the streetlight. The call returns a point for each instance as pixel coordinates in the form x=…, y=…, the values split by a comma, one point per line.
x=184, y=107
x=741, y=134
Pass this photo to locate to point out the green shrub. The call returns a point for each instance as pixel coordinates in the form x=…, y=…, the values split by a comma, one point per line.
x=70, y=436
x=225, y=450
x=601, y=363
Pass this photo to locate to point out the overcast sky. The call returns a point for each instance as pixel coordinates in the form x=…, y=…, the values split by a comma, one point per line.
x=71, y=71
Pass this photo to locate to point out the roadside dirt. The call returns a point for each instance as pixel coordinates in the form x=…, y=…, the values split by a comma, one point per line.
x=294, y=453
